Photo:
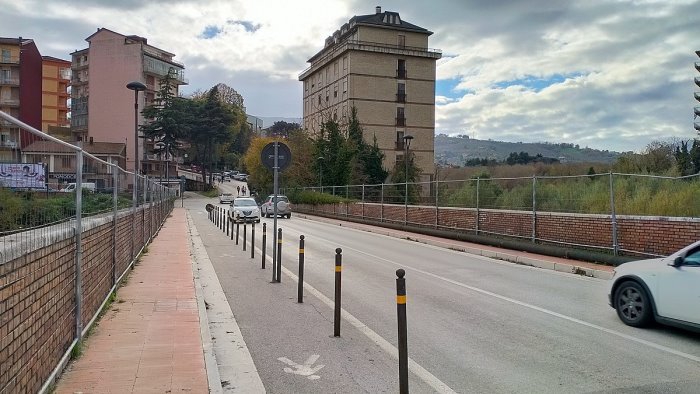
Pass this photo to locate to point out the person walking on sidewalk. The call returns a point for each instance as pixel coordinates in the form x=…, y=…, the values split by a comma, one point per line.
x=238, y=190
x=243, y=190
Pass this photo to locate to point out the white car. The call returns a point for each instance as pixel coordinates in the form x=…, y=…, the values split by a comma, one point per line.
x=244, y=209
x=666, y=290
x=226, y=198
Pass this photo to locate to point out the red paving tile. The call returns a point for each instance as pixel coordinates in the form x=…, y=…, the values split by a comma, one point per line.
x=149, y=341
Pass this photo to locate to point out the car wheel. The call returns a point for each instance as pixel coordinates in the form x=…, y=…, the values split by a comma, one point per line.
x=633, y=304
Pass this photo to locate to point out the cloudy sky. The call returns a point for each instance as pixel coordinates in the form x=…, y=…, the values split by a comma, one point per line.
x=608, y=74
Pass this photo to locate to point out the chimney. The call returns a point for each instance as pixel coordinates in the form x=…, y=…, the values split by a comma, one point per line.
x=378, y=9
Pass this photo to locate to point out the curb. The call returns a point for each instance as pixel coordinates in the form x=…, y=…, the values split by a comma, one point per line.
x=505, y=256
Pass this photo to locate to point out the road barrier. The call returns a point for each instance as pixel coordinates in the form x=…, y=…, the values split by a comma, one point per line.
x=279, y=255
x=300, y=287
x=336, y=311
x=264, y=244
x=245, y=235
x=237, y=231
x=231, y=221
x=227, y=223
x=403, y=336
x=252, y=240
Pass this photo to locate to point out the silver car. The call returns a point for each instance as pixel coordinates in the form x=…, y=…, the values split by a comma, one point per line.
x=244, y=209
x=226, y=198
x=284, y=207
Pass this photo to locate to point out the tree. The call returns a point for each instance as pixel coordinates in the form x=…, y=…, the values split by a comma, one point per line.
x=167, y=118
x=367, y=160
x=282, y=128
x=399, y=178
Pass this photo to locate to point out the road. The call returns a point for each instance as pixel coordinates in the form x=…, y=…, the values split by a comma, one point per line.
x=474, y=324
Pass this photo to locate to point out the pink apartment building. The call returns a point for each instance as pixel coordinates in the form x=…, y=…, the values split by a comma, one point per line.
x=102, y=108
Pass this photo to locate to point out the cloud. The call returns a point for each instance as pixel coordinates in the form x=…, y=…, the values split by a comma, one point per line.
x=247, y=25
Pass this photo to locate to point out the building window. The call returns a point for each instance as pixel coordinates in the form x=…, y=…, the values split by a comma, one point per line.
x=401, y=69
x=335, y=69
x=402, y=40
x=345, y=86
x=399, y=140
x=345, y=62
x=401, y=93
x=6, y=55
x=400, y=117
x=67, y=162
x=335, y=91
x=319, y=99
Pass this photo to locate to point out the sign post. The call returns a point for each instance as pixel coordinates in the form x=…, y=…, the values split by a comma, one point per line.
x=276, y=157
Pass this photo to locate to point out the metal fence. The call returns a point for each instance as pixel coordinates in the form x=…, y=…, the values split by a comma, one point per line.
x=52, y=191
x=519, y=203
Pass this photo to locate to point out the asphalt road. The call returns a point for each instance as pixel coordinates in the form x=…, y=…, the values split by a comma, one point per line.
x=474, y=324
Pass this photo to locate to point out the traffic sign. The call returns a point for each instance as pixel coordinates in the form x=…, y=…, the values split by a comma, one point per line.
x=284, y=156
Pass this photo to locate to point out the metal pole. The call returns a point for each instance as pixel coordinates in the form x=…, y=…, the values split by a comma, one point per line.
x=275, y=171
x=437, y=204
x=252, y=240
x=78, y=245
x=534, y=208
x=403, y=335
x=279, y=255
x=300, y=287
x=381, y=206
x=405, y=197
x=476, y=227
x=613, y=216
x=245, y=235
x=115, y=199
x=136, y=147
x=363, y=201
x=264, y=244
x=336, y=311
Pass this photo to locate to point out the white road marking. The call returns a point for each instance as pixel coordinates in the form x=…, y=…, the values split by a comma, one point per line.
x=305, y=369
x=533, y=307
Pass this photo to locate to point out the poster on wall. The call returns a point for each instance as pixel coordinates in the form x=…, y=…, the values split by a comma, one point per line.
x=22, y=176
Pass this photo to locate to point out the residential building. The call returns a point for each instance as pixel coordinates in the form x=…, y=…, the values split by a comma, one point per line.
x=101, y=105
x=20, y=94
x=55, y=74
x=60, y=161
x=381, y=65
x=255, y=123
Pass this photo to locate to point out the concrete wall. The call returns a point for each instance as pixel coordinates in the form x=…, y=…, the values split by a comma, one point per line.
x=37, y=294
x=637, y=235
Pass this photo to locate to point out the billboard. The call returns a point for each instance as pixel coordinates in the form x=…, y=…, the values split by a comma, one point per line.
x=22, y=175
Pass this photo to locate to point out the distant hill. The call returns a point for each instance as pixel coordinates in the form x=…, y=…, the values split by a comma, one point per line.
x=269, y=121
x=457, y=150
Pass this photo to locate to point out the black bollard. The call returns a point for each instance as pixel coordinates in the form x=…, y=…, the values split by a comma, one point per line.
x=252, y=240
x=336, y=311
x=403, y=336
x=264, y=244
x=237, y=233
x=300, y=290
x=227, y=222
x=231, y=220
x=245, y=235
x=279, y=255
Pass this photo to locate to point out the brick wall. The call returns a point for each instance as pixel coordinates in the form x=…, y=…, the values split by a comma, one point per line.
x=37, y=295
x=636, y=235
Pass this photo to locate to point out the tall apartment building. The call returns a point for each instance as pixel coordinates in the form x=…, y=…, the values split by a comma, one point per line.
x=102, y=108
x=381, y=65
x=20, y=94
x=55, y=74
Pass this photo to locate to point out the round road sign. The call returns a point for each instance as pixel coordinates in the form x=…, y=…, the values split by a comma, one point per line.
x=284, y=156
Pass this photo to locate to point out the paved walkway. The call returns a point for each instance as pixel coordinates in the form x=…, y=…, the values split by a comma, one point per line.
x=149, y=341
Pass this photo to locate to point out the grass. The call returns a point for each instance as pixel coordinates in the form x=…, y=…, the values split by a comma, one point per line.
x=210, y=193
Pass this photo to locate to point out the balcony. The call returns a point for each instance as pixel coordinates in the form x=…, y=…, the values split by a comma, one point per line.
x=9, y=60
x=13, y=102
x=8, y=144
x=697, y=66
x=4, y=123
x=401, y=73
x=401, y=121
x=697, y=96
x=697, y=81
x=9, y=81
x=697, y=126
x=400, y=97
x=697, y=111
x=161, y=68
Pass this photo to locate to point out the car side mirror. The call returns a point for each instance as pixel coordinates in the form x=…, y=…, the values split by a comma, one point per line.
x=678, y=261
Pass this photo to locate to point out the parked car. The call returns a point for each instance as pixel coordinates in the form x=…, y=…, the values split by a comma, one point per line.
x=241, y=177
x=226, y=198
x=244, y=209
x=284, y=207
x=71, y=187
x=666, y=290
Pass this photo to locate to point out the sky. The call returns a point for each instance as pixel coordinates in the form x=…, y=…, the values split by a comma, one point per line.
x=605, y=74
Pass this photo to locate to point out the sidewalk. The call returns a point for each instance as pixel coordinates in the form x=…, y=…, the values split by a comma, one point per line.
x=149, y=340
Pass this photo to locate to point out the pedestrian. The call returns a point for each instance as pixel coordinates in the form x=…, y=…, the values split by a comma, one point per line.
x=238, y=190
x=243, y=189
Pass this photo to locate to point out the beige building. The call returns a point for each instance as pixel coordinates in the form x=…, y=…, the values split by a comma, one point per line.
x=55, y=79
x=102, y=108
x=381, y=65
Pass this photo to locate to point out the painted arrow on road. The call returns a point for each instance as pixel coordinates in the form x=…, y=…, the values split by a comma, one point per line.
x=307, y=369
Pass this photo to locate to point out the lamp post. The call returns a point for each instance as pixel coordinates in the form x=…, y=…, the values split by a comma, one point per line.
x=406, y=144
x=136, y=87
x=320, y=173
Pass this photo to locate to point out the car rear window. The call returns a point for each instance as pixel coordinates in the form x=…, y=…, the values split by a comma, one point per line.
x=244, y=203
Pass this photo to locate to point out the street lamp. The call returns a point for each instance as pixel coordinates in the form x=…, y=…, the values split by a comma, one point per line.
x=136, y=87
x=406, y=144
x=320, y=173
